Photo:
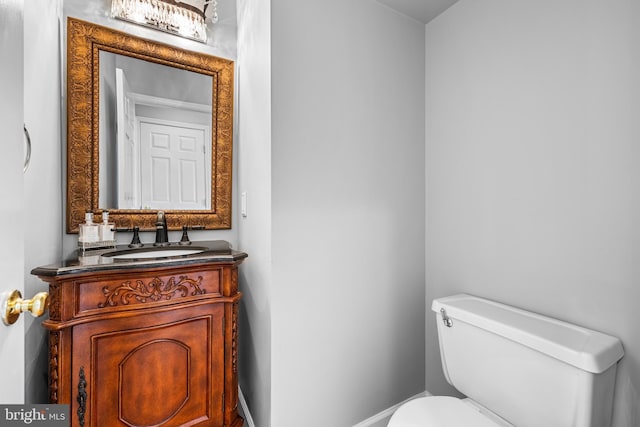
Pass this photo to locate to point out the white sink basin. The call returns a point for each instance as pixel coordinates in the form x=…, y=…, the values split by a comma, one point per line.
x=151, y=253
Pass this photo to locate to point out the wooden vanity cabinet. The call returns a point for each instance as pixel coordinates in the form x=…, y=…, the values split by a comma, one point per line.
x=145, y=346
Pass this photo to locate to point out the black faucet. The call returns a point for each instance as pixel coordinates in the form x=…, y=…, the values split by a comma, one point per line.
x=135, y=242
x=162, y=236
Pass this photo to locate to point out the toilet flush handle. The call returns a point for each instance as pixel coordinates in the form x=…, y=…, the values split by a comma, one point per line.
x=445, y=319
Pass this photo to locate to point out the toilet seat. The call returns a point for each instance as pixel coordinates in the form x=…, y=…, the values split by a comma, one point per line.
x=439, y=411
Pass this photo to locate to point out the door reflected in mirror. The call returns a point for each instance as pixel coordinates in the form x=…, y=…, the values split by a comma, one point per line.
x=155, y=134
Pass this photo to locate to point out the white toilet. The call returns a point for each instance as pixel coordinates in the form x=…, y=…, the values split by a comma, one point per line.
x=517, y=369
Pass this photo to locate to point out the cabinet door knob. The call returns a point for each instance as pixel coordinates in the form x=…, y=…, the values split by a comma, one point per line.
x=12, y=305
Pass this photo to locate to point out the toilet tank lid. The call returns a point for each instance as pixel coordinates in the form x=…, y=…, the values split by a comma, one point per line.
x=583, y=348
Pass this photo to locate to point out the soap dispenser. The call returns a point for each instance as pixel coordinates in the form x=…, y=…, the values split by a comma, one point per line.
x=107, y=233
x=89, y=232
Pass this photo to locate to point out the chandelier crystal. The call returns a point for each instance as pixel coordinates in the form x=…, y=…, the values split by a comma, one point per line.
x=173, y=16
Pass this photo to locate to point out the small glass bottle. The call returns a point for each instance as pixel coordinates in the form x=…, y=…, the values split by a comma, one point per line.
x=107, y=233
x=89, y=232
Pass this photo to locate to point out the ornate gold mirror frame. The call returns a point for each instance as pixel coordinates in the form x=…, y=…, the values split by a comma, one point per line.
x=84, y=42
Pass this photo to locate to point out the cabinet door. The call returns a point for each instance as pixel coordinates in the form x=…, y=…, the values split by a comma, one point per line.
x=164, y=368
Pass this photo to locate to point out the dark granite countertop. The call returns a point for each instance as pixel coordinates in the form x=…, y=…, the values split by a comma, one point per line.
x=107, y=259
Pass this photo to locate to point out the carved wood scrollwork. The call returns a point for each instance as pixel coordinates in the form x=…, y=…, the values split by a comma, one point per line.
x=155, y=290
x=82, y=396
x=54, y=351
x=234, y=281
x=234, y=338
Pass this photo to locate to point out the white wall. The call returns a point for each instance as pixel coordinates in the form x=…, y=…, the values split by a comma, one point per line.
x=253, y=137
x=42, y=181
x=347, y=164
x=533, y=180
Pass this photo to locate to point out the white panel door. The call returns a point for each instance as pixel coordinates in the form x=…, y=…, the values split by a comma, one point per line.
x=11, y=193
x=172, y=164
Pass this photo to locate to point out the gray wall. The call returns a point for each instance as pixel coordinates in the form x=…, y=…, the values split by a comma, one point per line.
x=42, y=181
x=331, y=145
x=254, y=178
x=532, y=167
x=347, y=244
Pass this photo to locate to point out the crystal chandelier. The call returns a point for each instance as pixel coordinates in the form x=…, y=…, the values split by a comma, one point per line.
x=185, y=18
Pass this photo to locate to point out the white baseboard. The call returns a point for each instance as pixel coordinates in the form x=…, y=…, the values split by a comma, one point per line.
x=388, y=412
x=248, y=420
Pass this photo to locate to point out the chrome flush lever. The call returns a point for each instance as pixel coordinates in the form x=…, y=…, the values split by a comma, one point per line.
x=445, y=319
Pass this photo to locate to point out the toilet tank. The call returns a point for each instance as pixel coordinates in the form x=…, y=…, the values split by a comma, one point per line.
x=529, y=369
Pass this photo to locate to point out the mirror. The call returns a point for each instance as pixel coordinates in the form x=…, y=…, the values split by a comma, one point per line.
x=138, y=144
x=152, y=134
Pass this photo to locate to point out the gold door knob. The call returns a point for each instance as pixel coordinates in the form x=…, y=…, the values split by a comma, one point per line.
x=13, y=305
